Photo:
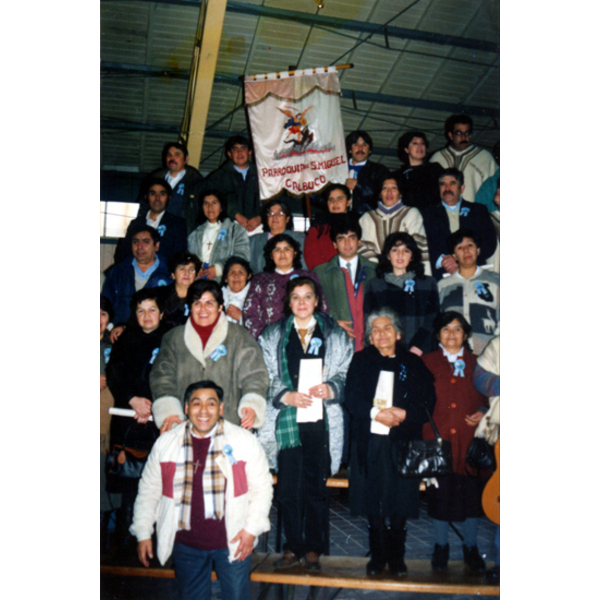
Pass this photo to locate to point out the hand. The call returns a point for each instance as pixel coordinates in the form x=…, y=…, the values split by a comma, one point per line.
x=144, y=551
x=116, y=332
x=449, y=264
x=297, y=399
x=244, y=550
x=252, y=224
x=102, y=382
x=209, y=273
x=351, y=183
x=241, y=219
x=142, y=407
x=249, y=417
x=391, y=417
x=169, y=422
x=320, y=391
x=347, y=327
x=473, y=420
x=234, y=312
x=416, y=351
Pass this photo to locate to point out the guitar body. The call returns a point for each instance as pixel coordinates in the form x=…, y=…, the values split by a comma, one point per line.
x=490, y=498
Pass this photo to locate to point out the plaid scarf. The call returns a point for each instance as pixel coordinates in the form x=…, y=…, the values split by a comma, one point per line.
x=287, y=432
x=213, y=480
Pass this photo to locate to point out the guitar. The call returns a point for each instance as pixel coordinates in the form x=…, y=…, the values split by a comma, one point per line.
x=490, y=499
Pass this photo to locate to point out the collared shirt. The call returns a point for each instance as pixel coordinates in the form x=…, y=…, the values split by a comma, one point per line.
x=310, y=329
x=154, y=222
x=173, y=181
x=353, y=266
x=243, y=172
x=452, y=357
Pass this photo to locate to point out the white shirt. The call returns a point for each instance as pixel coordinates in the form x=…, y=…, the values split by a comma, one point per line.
x=353, y=266
x=173, y=181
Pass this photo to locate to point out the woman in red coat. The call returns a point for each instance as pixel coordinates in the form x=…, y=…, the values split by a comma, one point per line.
x=458, y=410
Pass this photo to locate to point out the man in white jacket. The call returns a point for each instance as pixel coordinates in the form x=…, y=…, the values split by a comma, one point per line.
x=208, y=487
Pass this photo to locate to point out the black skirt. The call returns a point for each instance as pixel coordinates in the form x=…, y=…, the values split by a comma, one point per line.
x=458, y=498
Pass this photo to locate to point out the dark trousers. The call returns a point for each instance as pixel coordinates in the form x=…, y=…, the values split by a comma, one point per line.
x=302, y=490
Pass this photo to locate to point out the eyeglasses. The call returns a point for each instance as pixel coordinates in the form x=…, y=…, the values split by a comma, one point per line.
x=461, y=133
x=279, y=213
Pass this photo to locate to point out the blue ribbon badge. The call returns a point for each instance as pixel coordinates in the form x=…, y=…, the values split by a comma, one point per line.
x=464, y=211
x=106, y=354
x=154, y=355
x=293, y=276
x=162, y=229
x=409, y=286
x=402, y=373
x=221, y=235
x=180, y=189
x=162, y=283
x=186, y=311
x=228, y=451
x=315, y=344
x=459, y=367
x=220, y=351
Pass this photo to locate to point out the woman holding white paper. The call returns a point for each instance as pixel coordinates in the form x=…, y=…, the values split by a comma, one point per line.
x=387, y=388
x=307, y=355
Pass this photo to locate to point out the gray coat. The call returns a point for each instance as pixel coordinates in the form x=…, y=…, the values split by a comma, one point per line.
x=182, y=360
x=234, y=243
x=338, y=354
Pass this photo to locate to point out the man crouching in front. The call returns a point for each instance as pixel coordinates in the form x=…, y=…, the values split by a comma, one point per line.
x=209, y=504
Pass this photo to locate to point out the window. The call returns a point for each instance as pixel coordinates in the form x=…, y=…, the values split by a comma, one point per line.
x=115, y=218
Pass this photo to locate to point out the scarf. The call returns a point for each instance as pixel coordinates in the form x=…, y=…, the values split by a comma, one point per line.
x=204, y=332
x=287, y=432
x=398, y=280
x=213, y=480
x=389, y=210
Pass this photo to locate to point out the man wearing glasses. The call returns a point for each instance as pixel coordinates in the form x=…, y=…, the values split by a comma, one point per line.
x=476, y=163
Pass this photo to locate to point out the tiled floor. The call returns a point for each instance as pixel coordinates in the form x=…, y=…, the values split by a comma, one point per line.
x=348, y=536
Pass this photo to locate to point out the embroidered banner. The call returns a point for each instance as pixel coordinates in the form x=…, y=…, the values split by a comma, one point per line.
x=297, y=131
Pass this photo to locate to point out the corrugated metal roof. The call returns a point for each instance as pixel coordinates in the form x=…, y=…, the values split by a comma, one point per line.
x=141, y=110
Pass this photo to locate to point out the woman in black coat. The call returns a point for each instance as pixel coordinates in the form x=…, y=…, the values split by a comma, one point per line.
x=377, y=491
x=128, y=377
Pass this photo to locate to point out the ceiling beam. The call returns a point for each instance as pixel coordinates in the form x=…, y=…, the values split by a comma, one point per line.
x=446, y=107
x=323, y=21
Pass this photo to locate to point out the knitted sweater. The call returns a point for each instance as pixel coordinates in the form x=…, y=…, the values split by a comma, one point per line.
x=477, y=299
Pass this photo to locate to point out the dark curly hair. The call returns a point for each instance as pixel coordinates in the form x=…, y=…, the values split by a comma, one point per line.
x=270, y=246
x=400, y=238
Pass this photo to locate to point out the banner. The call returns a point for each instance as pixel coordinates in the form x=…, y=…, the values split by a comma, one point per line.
x=297, y=131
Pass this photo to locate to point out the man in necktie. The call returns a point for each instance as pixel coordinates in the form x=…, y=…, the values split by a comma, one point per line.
x=343, y=278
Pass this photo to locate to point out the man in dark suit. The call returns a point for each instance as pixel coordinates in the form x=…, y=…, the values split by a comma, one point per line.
x=186, y=182
x=451, y=214
x=364, y=174
x=171, y=229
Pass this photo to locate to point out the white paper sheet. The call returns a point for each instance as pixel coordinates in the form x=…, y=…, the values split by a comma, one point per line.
x=124, y=412
x=383, y=399
x=311, y=374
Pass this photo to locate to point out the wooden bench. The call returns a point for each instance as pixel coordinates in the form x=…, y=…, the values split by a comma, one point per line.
x=343, y=572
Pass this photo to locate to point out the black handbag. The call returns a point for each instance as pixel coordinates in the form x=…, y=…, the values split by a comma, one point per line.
x=480, y=455
x=425, y=458
x=125, y=462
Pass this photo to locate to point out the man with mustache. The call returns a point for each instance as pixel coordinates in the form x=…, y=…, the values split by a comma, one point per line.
x=364, y=174
x=186, y=182
x=451, y=214
x=476, y=163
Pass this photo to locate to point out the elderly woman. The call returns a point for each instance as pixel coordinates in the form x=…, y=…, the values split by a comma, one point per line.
x=458, y=410
x=378, y=422
x=264, y=303
x=208, y=346
x=237, y=274
x=217, y=238
x=276, y=218
x=305, y=453
x=392, y=215
x=318, y=248
x=128, y=375
x=419, y=177
x=402, y=286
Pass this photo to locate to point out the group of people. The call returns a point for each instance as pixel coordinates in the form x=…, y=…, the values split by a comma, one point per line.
x=242, y=356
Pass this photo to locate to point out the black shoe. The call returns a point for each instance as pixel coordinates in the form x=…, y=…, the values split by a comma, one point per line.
x=439, y=559
x=395, y=552
x=473, y=560
x=287, y=560
x=377, y=547
x=493, y=575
